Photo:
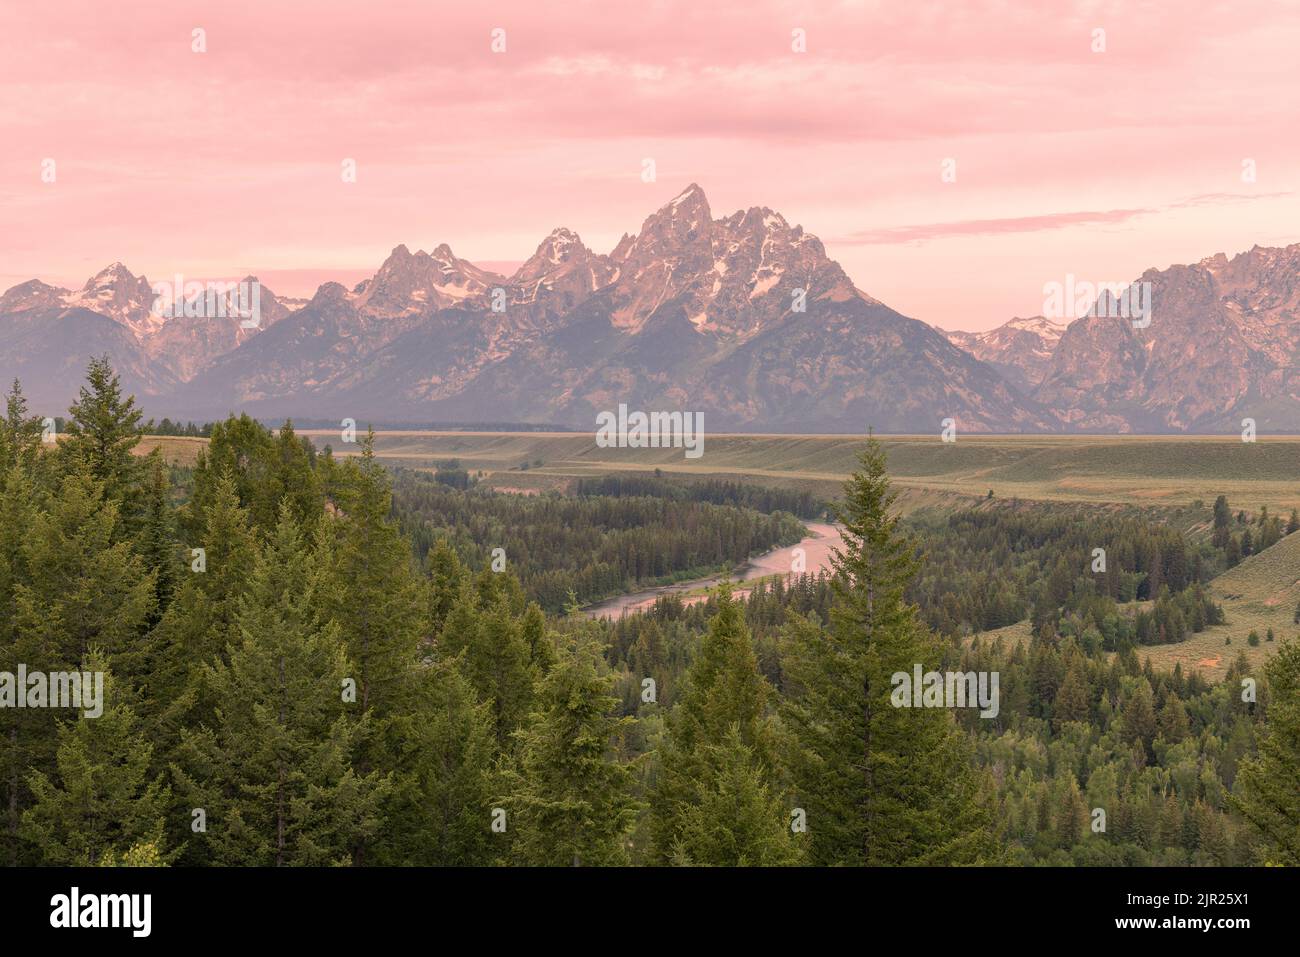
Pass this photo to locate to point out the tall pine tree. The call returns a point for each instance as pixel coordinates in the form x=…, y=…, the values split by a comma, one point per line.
x=274, y=773
x=101, y=434
x=881, y=785
x=372, y=589
x=724, y=696
x=444, y=775
x=571, y=802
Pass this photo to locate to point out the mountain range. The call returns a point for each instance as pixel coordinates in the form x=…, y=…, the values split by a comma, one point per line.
x=743, y=318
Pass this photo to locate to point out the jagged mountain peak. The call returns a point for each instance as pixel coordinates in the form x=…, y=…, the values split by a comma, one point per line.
x=619, y=253
x=559, y=275
x=759, y=224
x=691, y=197
x=31, y=294
x=409, y=283
x=733, y=276
x=118, y=293
x=559, y=246
x=114, y=272
x=114, y=282
x=1258, y=262
x=332, y=292
x=684, y=215
x=401, y=256
x=745, y=317
x=1040, y=325
x=1257, y=257
x=757, y=219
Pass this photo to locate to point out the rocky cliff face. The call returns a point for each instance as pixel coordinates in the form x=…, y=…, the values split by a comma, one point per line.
x=1222, y=345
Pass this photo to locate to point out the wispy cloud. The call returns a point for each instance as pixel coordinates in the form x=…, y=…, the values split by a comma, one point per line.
x=925, y=232
x=1225, y=199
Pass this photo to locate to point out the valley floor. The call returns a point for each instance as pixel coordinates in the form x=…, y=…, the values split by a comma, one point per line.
x=1176, y=476
x=1127, y=470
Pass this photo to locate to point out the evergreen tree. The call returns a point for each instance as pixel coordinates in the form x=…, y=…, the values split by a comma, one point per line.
x=541, y=649
x=1172, y=723
x=101, y=434
x=275, y=771
x=496, y=659
x=723, y=692
x=736, y=820
x=199, y=624
x=157, y=543
x=371, y=589
x=1073, y=698
x=444, y=776
x=1071, y=816
x=447, y=576
x=240, y=450
x=1171, y=823
x=571, y=802
x=880, y=784
x=87, y=586
x=1138, y=717
x=20, y=730
x=1265, y=791
x=290, y=476
x=20, y=433
x=17, y=514
x=266, y=467
x=1222, y=514
x=102, y=801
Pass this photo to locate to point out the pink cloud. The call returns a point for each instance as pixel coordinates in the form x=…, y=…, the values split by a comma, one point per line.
x=228, y=161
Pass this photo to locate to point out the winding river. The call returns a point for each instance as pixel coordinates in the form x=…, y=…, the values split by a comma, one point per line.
x=817, y=548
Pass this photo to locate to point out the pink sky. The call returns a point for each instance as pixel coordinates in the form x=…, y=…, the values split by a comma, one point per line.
x=1068, y=161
